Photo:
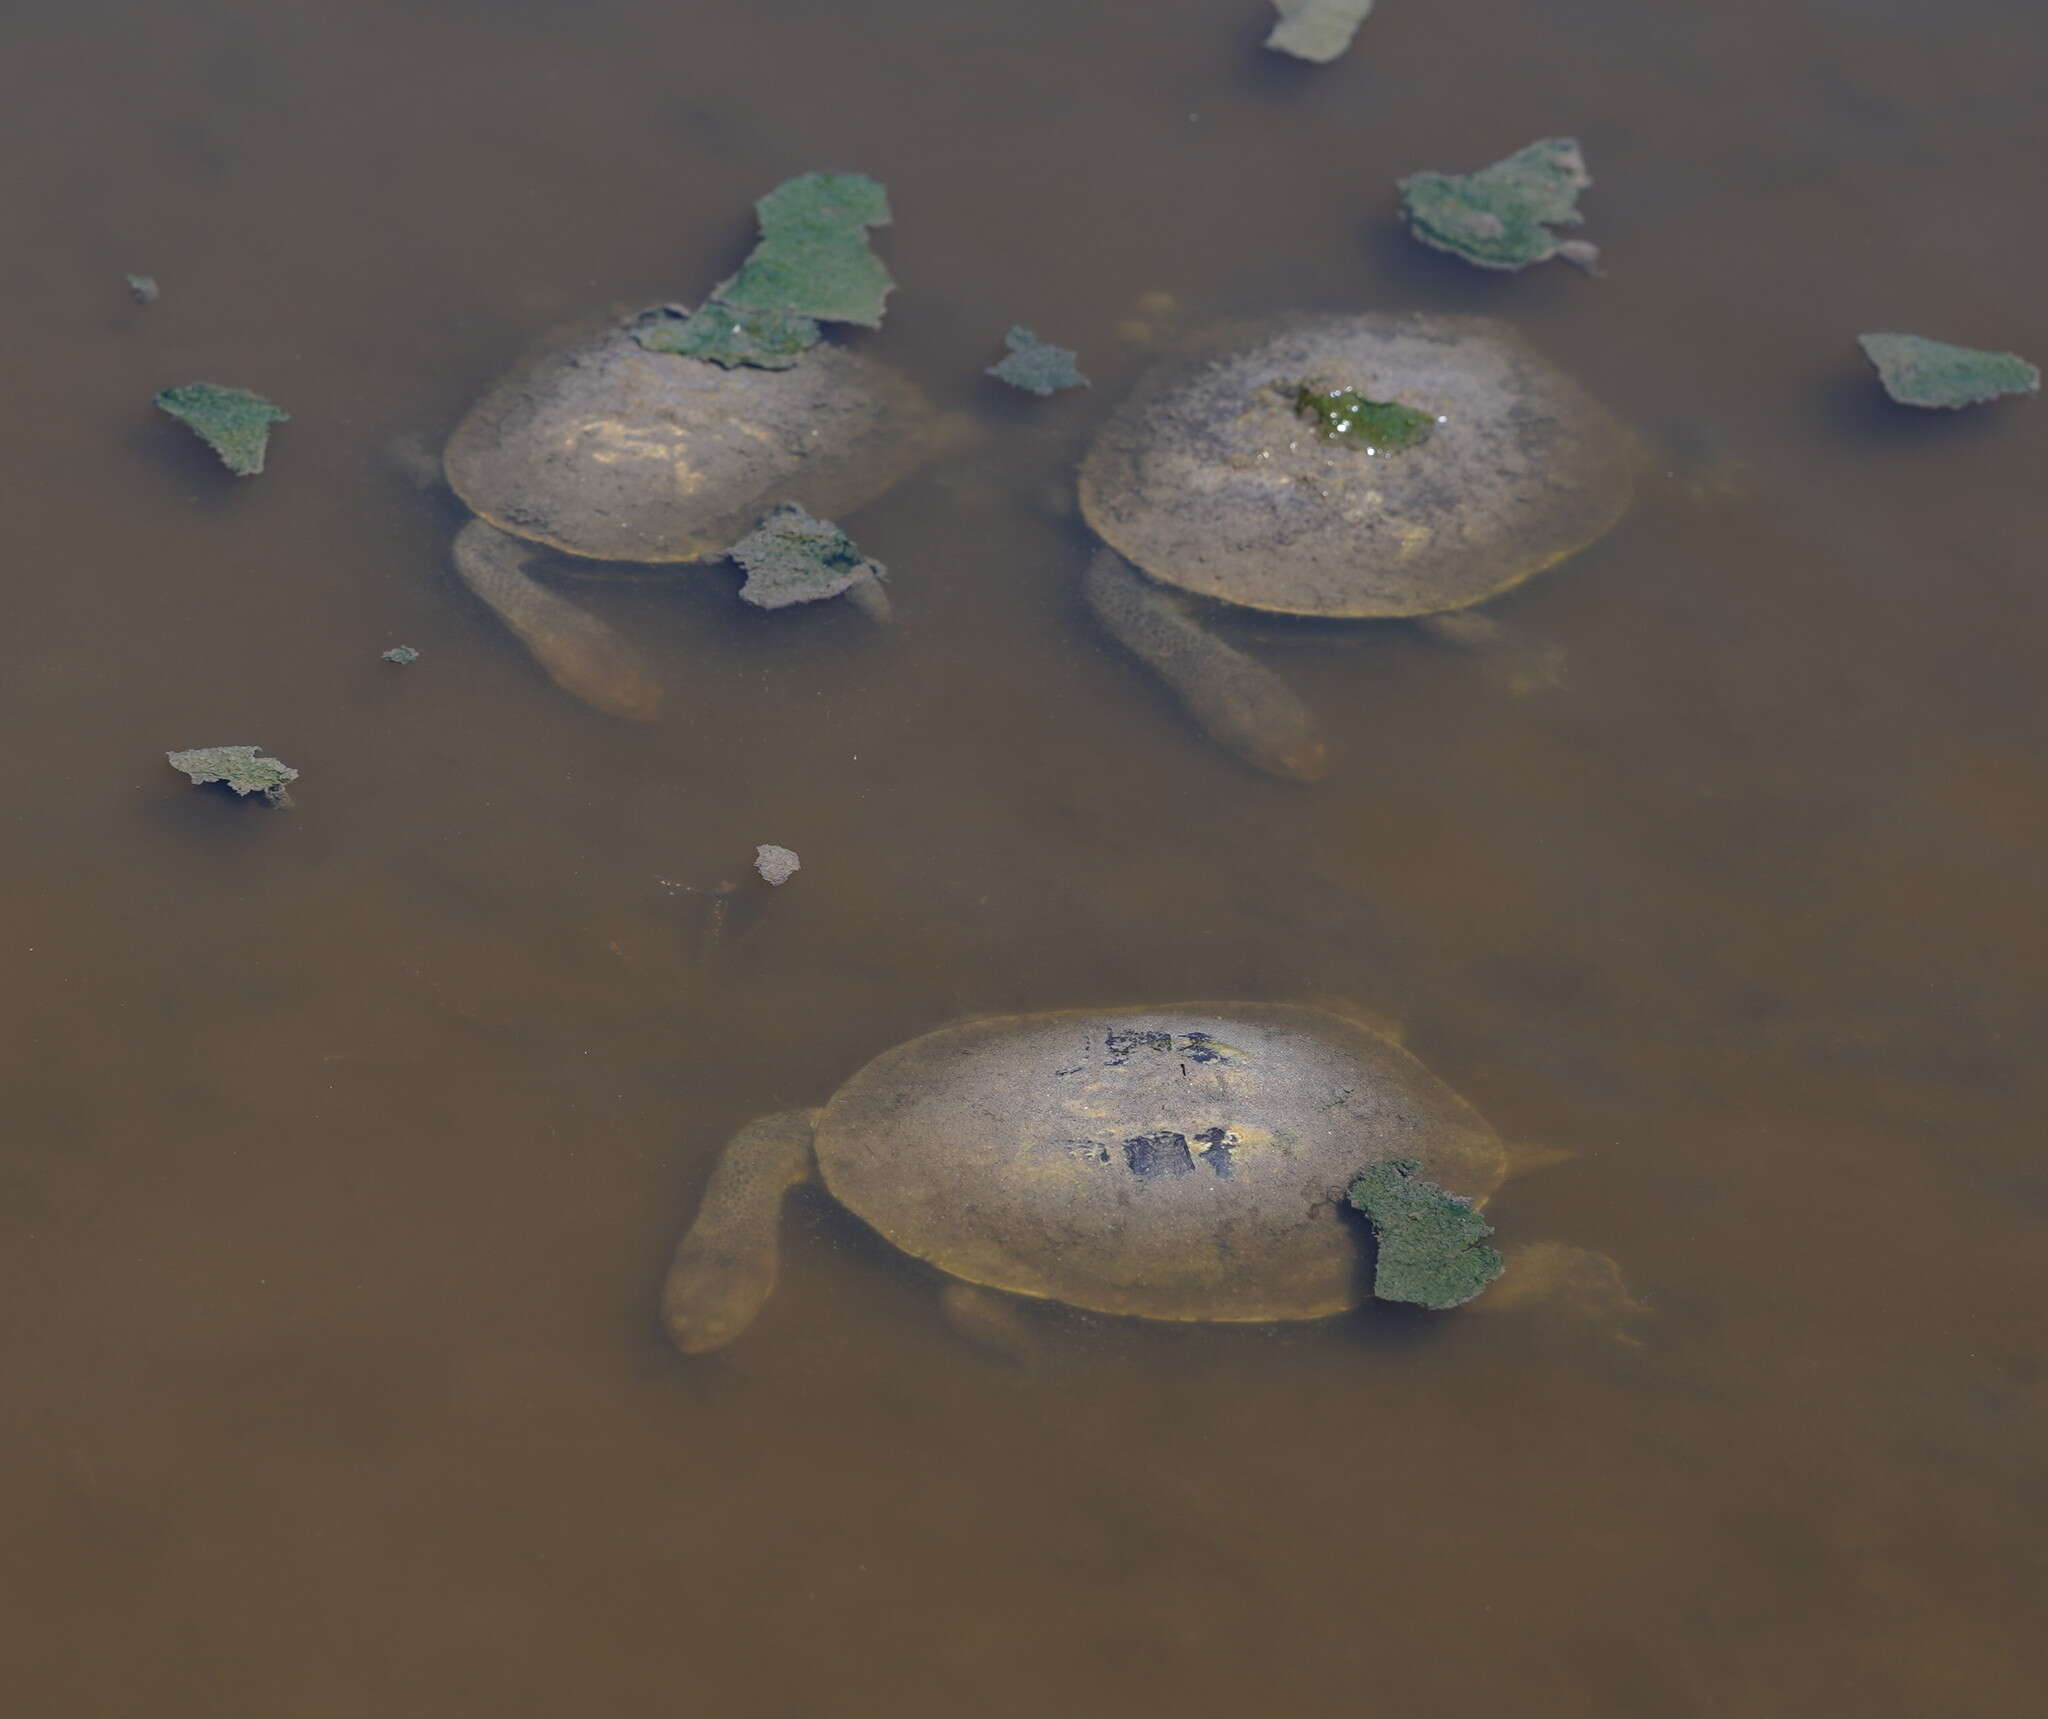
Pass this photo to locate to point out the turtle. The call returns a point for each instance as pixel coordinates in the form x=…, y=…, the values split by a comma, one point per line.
x=601, y=450
x=1186, y=1163
x=1246, y=469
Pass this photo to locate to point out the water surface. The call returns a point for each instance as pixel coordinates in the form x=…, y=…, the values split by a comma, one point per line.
x=341, y=1150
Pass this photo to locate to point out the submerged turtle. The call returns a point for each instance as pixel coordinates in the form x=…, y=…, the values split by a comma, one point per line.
x=607, y=452
x=1337, y=467
x=1178, y=1163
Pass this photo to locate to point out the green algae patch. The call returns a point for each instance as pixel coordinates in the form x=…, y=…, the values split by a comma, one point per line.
x=813, y=264
x=1917, y=371
x=402, y=655
x=1375, y=426
x=1500, y=217
x=766, y=339
x=792, y=558
x=1317, y=30
x=1432, y=1244
x=813, y=259
x=233, y=422
x=1037, y=366
x=242, y=768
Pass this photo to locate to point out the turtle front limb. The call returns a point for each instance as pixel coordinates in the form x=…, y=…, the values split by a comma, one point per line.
x=418, y=461
x=868, y=596
x=726, y=1264
x=1242, y=705
x=582, y=655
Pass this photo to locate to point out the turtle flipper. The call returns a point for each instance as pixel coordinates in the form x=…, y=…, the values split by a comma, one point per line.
x=726, y=1264
x=1521, y=664
x=583, y=655
x=991, y=1321
x=1574, y=1284
x=1244, y=706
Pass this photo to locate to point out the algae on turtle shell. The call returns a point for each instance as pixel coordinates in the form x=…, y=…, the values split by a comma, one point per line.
x=1345, y=415
x=1432, y=1244
x=766, y=339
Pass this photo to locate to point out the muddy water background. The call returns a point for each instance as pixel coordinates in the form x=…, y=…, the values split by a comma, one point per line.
x=340, y=1151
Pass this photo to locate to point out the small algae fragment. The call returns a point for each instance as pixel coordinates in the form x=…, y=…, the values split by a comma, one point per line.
x=813, y=259
x=792, y=558
x=242, y=768
x=1347, y=416
x=233, y=422
x=1432, y=1244
x=776, y=865
x=1500, y=216
x=1317, y=30
x=766, y=339
x=142, y=289
x=1916, y=371
x=401, y=655
x=1035, y=365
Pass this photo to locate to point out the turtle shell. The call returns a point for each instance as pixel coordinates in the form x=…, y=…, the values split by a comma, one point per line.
x=1188, y=1162
x=602, y=449
x=1208, y=478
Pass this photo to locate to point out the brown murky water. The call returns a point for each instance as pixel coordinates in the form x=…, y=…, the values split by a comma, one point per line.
x=341, y=1150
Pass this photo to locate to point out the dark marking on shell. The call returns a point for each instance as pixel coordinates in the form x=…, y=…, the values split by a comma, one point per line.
x=1216, y=1144
x=1120, y=1045
x=1160, y=1153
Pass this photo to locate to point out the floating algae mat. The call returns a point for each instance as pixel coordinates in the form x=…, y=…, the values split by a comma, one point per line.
x=1500, y=217
x=242, y=768
x=1037, y=366
x=233, y=422
x=792, y=558
x=1317, y=30
x=813, y=264
x=1917, y=371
